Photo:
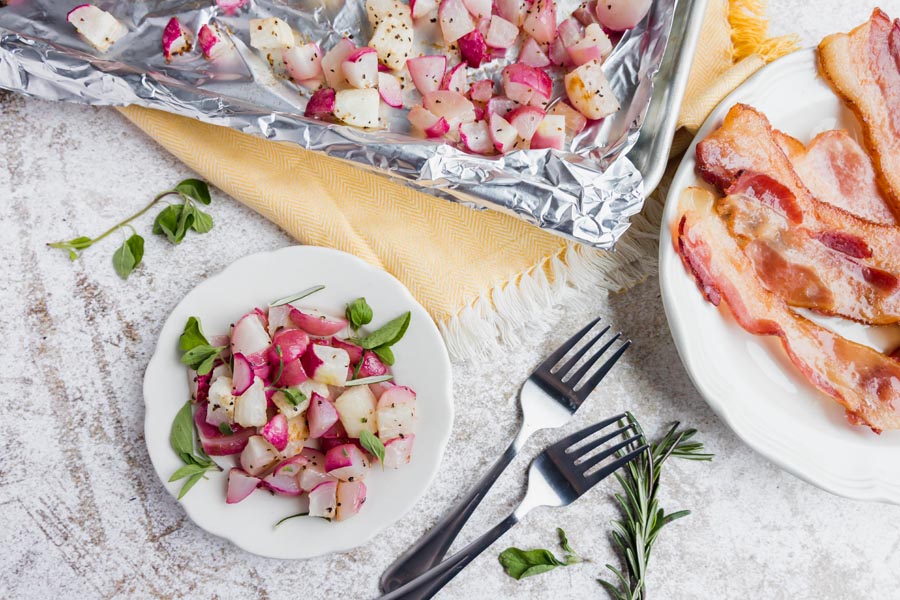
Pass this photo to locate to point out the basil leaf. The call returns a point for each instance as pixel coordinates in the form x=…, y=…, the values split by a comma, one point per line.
x=182, y=435
x=123, y=260
x=136, y=243
x=389, y=334
x=207, y=365
x=226, y=429
x=368, y=380
x=385, y=354
x=201, y=358
x=359, y=313
x=192, y=336
x=202, y=221
x=189, y=484
x=372, y=444
x=167, y=221
x=297, y=296
x=185, y=221
x=525, y=563
x=294, y=397
x=196, y=189
x=187, y=470
x=280, y=521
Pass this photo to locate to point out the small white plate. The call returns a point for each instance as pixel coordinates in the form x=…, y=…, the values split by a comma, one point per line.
x=421, y=363
x=748, y=380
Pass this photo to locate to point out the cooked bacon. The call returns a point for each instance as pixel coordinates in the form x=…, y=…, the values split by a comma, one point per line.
x=863, y=67
x=863, y=380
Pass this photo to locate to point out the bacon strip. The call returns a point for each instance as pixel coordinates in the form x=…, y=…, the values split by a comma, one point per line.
x=863, y=67
x=864, y=381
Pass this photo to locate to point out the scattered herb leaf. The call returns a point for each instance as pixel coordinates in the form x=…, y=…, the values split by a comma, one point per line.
x=524, y=563
x=201, y=358
x=297, y=296
x=225, y=428
x=128, y=256
x=181, y=438
x=192, y=336
x=388, y=335
x=372, y=444
x=368, y=380
x=166, y=222
x=195, y=189
x=385, y=354
x=203, y=223
x=359, y=313
x=293, y=396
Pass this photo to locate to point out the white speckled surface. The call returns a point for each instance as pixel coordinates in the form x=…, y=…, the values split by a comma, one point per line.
x=82, y=514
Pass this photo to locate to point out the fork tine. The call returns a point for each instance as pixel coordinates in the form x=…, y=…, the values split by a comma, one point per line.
x=573, y=378
x=551, y=360
x=582, y=450
x=593, y=461
x=614, y=466
x=561, y=372
x=589, y=385
x=578, y=436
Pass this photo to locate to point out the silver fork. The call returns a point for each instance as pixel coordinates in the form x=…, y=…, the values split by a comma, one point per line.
x=547, y=399
x=557, y=477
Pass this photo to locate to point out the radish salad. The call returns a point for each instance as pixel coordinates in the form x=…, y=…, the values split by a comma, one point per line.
x=304, y=400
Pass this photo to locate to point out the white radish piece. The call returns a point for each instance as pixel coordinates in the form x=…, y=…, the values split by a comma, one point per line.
x=589, y=91
x=595, y=45
x=332, y=63
x=298, y=433
x=396, y=413
x=314, y=472
x=526, y=120
x=212, y=42
x=533, y=54
x=284, y=480
x=321, y=415
x=289, y=410
x=427, y=122
x=569, y=31
x=476, y=137
x=176, y=39
x=482, y=90
x=427, y=72
x=575, y=121
x=455, y=79
x=356, y=407
x=390, y=90
x=309, y=387
x=526, y=84
x=473, y=49
x=353, y=351
x=501, y=105
x=276, y=431
x=422, y=8
x=361, y=68
x=398, y=451
x=551, y=133
x=480, y=9
x=240, y=485
x=455, y=20
x=320, y=105
x=250, y=407
x=558, y=54
x=350, y=497
x=250, y=338
x=323, y=500
x=221, y=402
x=393, y=40
x=619, y=15
x=258, y=455
x=326, y=364
x=453, y=106
x=270, y=33
x=503, y=134
x=97, y=26
x=315, y=322
x=380, y=10
x=540, y=21
x=346, y=462
x=302, y=62
x=279, y=317
x=501, y=33
x=314, y=84
x=512, y=10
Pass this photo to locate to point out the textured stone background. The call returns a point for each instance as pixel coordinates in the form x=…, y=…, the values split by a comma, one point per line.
x=82, y=514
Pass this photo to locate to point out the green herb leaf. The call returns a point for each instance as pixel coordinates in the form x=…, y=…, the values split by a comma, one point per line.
x=185, y=221
x=201, y=358
x=186, y=470
x=368, y=380
x=526, y=563
x=167, y=220
x=280, y=521
x=297, y=296
x=192, y=480
x=280, y=365
x=123, y=260
x=294, y=397
x=359, y=313
x=389, y=334
x=79, y=243
x=571, y=556
x=225, y=428
x=372, y=444
x=195, y=189
x=203, y=223
x=192, y=336
x=385, y=354
x=182, y=435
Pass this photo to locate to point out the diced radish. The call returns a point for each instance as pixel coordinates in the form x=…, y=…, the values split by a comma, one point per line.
x=390, y=90
x=332, y=64
x=398, y=451
x=427, y=122
x=551, y=133
x=427, y=72
x=595, y=45
x=558, y=54
x=501, y=33
x=501, y=105
x=512, y=10
x=476, y=137
x=302, y=62
x=287, y=345
x=314, y=472
x=482, y=90
x=199, y=385
x=213, y=441
x=526, y=120
x=569, y=31
x=315, y=322
x=250, y=407
x=353, y=351
x=279, y=318
x=396, y=413
x=371, y=365
x=619, y=15
x=243, y=374
x=211, y=41
x=321, y=415
x=334, y=436
x=455, y=20
x=356, y=407
x=240, y=485
x=480, y=9
x=258, y=455
x=309, y=387
x=350, y=497
x=314, y=84
x=361, y=68
x=453, y=106
x=323, y=500
x=589, y=91
x=326, y=364
x=221, y=400
x=250, y=338
x=97, y=26
x=291, y=373
x=473, y=48
x=379, y=10
x=346, y=462
x=540, y=21
x=422, y=8
x=270, y=33
x=176, y=40
x=586, y=13
x=285, y=480
x=380, y=388
x=533, y=54
x=575, y=121
x=321, y=105
x=393, y=40
x=455, y=79
x=231, y=6
x=276, y=431
x=526, y=84
x=289, y=410
x=503, y=134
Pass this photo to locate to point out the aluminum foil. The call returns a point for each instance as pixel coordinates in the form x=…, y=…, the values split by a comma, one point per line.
x=586, y=193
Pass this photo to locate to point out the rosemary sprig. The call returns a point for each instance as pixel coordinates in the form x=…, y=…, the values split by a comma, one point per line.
x=642, y=518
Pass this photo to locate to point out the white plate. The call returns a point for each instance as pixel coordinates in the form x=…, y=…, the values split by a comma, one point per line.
x=421, y=363
x=748, y=380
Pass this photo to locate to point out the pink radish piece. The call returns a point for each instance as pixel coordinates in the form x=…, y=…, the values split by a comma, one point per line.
x=216, y=443
x=503, y=135
x=336, y=431
x=558, y=54
x=501, y=33
x=250, y=407
x=303, y=62
x=512, y=10
x=346, y=462
x=551, y=133
x=533, y=55
x=356, y=407
x=258, y=455
x=314, y=472
x=240, y=485
x=287, y=345
x=593, y=46
x=482, y=90
x=427, y=72
x=526, y=120
x=524, y=84
x=211, y=41
x=380, y=388
x=270, y=33
x=398, y=451
x=501, y=105
x=427, y=122
x=176, y=40
x=619, y=15
x=422, y=8
x=575, y=121
x=540, y=21
x=292, y=374
x=453, y=106
x=358, y=107
x=250, y=338
x=323, y=500
x=199, y=385
x=586, y=13
x=321, y=415
x=396, y=412
x=476, y=137
x=455, y=79
x=361, y=68
x=231, y=6
x=480, y=9
x=350, y=497
x=276, y=431
x=390, y=90
x=371, y=365
x=326, y=364
x=320, y=105
x=473, y=48
x=242, y=378
x=569, y=32
x=332, y=61
x=317, y=323
x=589, y=91
x=97, y=26
x=353, y=351
x=284, y=480
x=455, y=20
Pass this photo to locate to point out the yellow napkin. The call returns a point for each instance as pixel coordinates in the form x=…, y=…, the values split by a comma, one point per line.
x=478, y=273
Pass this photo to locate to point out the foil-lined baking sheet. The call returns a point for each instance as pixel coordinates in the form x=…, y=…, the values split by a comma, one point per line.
x=586, y=193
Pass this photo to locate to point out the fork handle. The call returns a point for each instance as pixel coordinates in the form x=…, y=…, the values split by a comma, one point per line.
x=431, y=547
x=430, y=582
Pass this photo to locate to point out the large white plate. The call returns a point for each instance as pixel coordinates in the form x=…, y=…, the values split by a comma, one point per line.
x=421, y=363
x=749, y=380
